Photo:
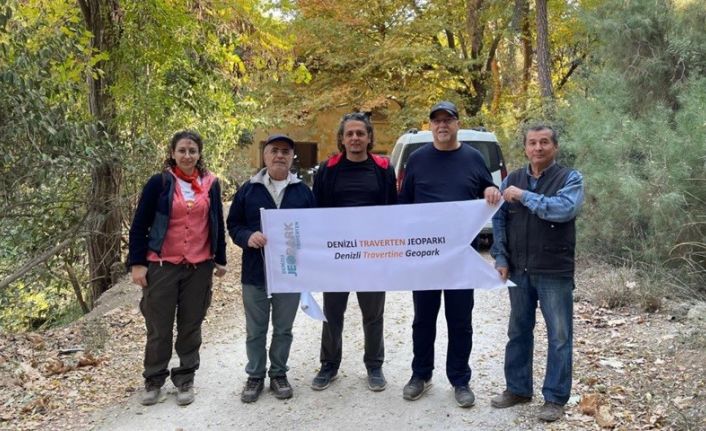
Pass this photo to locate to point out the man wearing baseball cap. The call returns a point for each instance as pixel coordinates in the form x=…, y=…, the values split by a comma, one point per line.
x=444, y=171
x=272, y=187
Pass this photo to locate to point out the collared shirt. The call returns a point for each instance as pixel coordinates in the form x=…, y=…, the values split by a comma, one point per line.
x=276, y=188
x=560, y=208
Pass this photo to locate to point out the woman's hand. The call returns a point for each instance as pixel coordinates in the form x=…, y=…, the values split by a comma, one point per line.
x=220, y=270
x=139, y=275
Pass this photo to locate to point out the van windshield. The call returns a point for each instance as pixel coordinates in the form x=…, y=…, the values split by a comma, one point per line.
x=489, y=150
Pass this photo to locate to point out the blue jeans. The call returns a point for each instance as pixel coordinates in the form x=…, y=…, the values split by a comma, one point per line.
x=257, y=318
x=555, y=297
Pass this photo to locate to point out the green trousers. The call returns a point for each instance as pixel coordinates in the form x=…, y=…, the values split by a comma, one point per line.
x=257, y=318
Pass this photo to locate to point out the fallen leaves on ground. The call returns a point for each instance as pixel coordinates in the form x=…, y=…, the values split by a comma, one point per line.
x=57, y=379
x=632, y=370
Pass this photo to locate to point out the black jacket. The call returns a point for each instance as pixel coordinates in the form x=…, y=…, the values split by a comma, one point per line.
x=149, y=226
x=328, y=170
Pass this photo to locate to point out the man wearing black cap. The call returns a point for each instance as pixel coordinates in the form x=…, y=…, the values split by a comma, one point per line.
x=354, y=177
x=272, y=187
x=444, y=171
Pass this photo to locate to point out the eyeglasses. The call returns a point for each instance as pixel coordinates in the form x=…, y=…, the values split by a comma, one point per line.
x=446, y=121
x=283, y=151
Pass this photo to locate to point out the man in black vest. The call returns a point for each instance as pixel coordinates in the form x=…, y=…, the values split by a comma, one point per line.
x=534, y=241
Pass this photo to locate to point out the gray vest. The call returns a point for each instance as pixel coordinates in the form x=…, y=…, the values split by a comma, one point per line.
x=538, y=246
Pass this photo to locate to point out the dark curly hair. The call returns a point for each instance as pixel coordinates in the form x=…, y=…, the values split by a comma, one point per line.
x=355, y=116
x=192, y=135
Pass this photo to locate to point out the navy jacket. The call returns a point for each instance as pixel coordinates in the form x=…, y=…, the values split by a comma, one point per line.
x=445, y=176
x=244, y=219
x=149, y=226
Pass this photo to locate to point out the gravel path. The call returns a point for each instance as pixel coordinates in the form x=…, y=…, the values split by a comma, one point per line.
x=347, y=404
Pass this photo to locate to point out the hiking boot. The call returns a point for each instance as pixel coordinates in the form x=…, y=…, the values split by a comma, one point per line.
x=464, y=396
x=508, y=399
x=415, y=388
x=185, y=394
x=281, y=387
x=376, y=380
x=324, y=377
x=551, y=412
x=252, y=389
x=151, y=395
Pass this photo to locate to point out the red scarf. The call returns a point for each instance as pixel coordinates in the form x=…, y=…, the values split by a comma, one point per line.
x=193, y=178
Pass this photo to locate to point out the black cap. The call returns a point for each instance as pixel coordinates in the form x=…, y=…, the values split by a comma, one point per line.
x=279, y=137
x=444, y=105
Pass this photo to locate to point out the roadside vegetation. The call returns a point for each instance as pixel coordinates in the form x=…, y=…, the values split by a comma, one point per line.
x=90, y=90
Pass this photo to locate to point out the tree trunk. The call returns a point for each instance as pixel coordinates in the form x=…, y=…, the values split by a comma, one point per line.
x=543, y=64
x=497, y=87
x=474, y=30
x=102, y=18
x=526, y=37
x=103, y=225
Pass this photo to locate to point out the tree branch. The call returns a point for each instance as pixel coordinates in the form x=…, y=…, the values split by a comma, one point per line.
x=85, y=9
x=71, y=237
x=574, y=65
x=76, y=285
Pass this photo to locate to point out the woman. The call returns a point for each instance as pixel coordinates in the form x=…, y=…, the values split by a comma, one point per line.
x=177, y=239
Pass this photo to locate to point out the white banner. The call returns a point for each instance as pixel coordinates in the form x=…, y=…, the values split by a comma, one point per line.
x=377, y=248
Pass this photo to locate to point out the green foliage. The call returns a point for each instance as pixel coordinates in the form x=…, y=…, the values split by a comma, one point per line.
x=397, y=57
x=46, y=151
x=640, y=140
x=176, y=65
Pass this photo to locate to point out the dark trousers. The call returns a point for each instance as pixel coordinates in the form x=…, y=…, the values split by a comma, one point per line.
x=458, y=305
x=372, y=305
x=172, y=290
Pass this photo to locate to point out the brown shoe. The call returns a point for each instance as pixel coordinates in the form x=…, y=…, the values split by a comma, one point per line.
x=508, y=399
x=551, y=412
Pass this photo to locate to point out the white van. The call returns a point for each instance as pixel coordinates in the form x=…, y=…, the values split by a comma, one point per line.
x=480, y=139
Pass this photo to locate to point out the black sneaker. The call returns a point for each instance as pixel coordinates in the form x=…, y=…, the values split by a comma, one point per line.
x=253, y=388
x=464, y=396
x=281, y=387
x=376, y=380
x=325, y=376
x=415, y=388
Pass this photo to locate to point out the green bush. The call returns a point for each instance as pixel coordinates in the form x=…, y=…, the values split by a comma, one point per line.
x=639, y=138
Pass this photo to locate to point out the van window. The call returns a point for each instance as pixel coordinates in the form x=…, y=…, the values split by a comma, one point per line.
x=409, y=149
x=489, y=150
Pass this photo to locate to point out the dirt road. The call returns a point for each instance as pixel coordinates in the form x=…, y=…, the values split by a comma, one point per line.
x=347, y=404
